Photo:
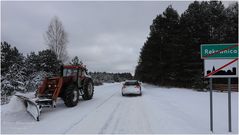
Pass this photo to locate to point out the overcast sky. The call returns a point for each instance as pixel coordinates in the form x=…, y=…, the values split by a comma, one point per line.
x=106, y=36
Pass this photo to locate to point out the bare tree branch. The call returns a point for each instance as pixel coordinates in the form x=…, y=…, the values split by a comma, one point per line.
x=56, y=38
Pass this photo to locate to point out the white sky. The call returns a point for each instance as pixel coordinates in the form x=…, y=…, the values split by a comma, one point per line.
x=106, y=36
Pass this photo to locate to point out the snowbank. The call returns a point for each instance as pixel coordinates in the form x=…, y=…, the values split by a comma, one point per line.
x=15, y=105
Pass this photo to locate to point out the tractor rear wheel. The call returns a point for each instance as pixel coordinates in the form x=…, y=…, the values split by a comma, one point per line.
x=71, y=96
x=88, y=89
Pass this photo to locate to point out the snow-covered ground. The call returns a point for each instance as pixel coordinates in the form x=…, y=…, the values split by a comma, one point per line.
x=158, y=110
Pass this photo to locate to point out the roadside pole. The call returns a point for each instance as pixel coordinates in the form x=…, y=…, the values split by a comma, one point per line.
x=211, y=106
x=229, y=106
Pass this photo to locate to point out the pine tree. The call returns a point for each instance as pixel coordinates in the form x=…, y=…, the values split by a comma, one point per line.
x=14, y=80
x=149, y=56
x=9, y=56
x=32, y=63
x=48, y=61
x=194, y=30
x=158, y=57
x=200, y=24
x=76, y=62
x=230, y=26
x=171, y=50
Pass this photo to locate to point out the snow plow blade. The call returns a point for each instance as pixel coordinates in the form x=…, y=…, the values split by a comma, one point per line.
x=31, y=107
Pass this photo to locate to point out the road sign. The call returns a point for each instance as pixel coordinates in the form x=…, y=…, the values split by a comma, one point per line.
x=219, y=51
x=220, y=61
x=220, y=68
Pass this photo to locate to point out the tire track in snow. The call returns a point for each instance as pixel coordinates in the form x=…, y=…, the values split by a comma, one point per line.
x=146, y=116
x=109, y=120
x=118, y=123
x=106, y=100
x=87, y=114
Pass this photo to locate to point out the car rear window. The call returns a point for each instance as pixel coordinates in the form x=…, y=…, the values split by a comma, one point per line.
x=131, y=83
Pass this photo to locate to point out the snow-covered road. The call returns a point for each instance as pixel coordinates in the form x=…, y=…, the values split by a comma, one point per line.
x=158, y=110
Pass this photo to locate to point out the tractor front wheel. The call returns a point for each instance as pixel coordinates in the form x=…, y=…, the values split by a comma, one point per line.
x=71, y=96
x=88, y=89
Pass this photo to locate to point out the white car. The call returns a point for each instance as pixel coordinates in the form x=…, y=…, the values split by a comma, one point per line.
x=131, y=87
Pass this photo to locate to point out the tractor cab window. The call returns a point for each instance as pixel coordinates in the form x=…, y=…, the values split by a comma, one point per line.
x=69, y=72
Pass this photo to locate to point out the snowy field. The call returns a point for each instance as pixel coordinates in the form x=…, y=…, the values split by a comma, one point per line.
x=158, y=110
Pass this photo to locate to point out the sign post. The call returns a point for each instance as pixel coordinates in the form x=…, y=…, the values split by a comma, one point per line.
x=229, y=106
x=220, y=61
x=211, y=105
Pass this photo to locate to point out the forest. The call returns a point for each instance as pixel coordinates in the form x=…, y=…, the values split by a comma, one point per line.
x=171, y=54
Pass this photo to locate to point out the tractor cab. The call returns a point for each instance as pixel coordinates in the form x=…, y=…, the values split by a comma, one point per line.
x=74, y=74
x=73, y=71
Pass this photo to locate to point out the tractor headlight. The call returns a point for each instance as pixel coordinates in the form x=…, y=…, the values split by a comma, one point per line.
x=49, y=85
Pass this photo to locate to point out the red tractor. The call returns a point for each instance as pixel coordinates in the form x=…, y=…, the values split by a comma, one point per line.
x=73, y=82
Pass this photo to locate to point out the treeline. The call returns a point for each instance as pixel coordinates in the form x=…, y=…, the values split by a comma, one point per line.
x=102, y=77
x=171, y=54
